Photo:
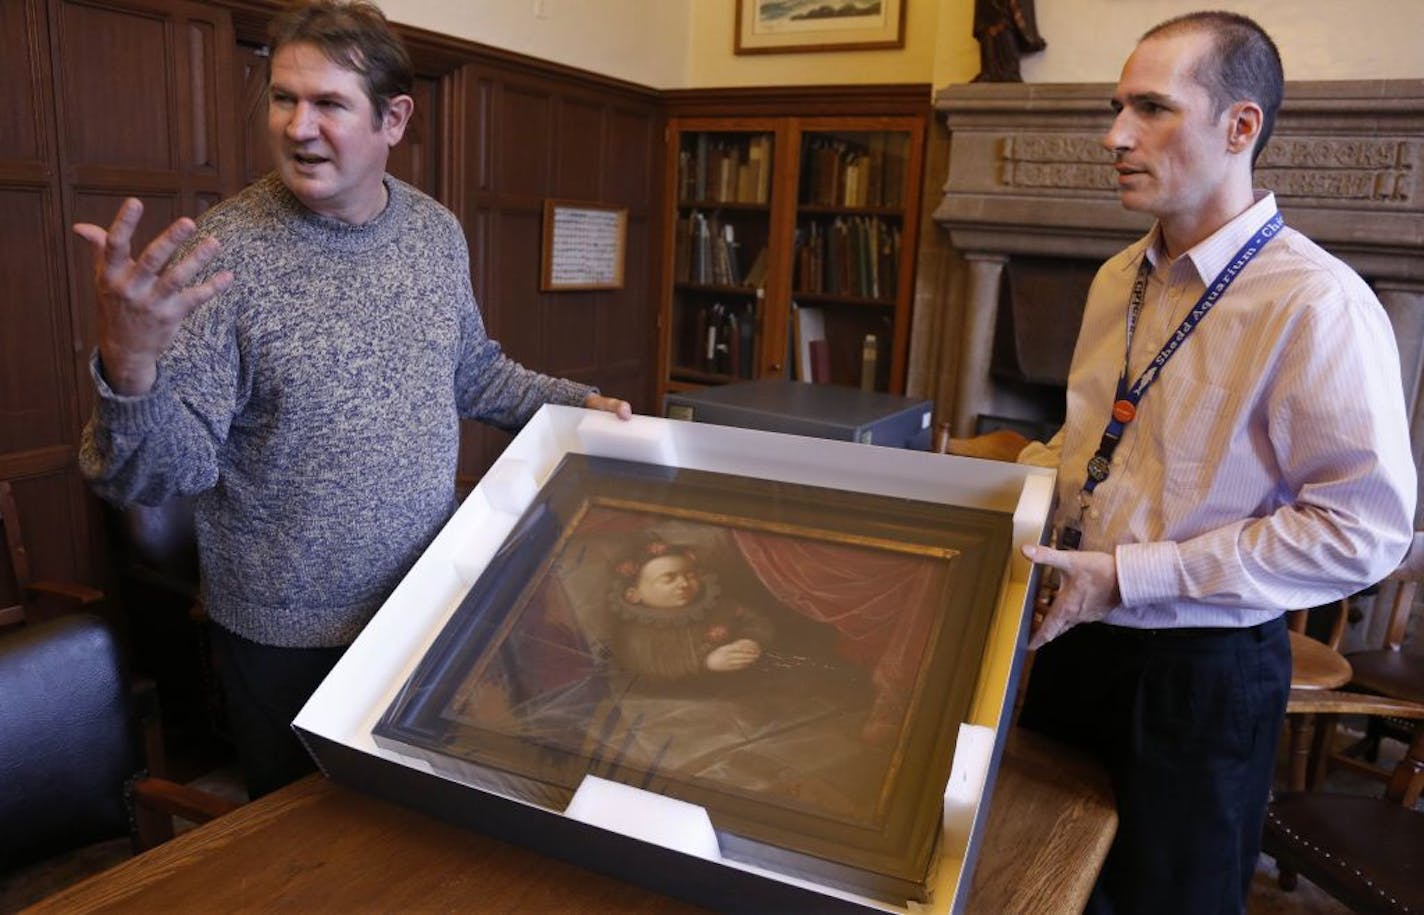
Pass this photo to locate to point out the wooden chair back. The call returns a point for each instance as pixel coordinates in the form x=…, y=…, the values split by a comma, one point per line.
x=35, y=599
x=1407, y=576
x=19, y=558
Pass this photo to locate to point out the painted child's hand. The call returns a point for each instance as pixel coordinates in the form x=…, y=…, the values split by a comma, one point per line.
x=737, y=655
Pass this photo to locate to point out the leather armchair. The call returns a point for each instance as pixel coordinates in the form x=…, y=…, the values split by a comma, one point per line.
x=71, y=771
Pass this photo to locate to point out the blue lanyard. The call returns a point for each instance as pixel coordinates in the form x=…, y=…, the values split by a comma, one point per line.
x=1124, y=408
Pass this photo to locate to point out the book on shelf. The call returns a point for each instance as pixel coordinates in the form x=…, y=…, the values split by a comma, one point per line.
x=756, y=273
x=875, y=171
x=844, y=173
x=808, y=325
x=723, y=340
x=869, y=358
x=725, y=169
x=820, y=352
x=699, y=168
x=707, y=251
x=759, y=157
x=892, y=181
x=849, y=256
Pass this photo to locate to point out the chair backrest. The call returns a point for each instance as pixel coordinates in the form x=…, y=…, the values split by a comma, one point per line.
x=1408, y=575
x=18, y=558
x=67, y=742
x=1339, y=615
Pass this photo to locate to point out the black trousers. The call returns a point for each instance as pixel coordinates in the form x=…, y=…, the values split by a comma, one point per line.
x=1186, y=722
x=264, y=687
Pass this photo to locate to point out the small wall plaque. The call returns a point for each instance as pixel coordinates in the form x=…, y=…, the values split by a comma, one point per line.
x=583, y=246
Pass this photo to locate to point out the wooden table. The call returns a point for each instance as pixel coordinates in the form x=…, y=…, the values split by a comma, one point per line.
x=318, y=846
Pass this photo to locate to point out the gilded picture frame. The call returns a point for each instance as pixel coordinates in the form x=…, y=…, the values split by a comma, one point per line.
x=800, y=26
x=806, y=688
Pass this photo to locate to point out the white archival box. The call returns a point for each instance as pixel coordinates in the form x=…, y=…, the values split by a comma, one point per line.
x=337, y=721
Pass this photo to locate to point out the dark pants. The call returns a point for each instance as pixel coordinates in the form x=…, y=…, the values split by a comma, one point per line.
x=264, y=687
x=1186, y=723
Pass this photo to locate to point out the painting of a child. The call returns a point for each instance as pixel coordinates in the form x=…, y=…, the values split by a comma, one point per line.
x=687, y=668
x=672, y=621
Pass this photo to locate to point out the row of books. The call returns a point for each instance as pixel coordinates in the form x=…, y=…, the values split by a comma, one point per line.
x=725, y=169
x=854, y=256
x=840, y=173
x=706, y=251
x=722, y=340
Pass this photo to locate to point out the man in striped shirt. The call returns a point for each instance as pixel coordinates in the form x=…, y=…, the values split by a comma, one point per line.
x=1235, y=444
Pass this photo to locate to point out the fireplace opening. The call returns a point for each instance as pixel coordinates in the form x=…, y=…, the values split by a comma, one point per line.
x=1040, y=307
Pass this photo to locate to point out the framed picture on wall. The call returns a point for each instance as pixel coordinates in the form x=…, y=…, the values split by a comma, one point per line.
x=583, y=246
x=787, y=26
x=796, y=660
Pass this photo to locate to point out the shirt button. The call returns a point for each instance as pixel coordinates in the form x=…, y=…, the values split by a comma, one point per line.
x=1094, y=513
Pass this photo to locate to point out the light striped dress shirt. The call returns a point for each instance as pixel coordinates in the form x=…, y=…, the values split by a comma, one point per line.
x=1269, y=465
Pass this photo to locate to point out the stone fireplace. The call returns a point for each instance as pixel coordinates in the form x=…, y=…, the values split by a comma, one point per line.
x=1028, y=180
x=1029, y=186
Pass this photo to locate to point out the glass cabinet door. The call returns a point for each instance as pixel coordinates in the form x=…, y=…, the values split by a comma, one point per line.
x=848, y=254
x=721, y=234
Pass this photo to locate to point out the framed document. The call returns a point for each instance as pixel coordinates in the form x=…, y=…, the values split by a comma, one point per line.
x=796, y=660
x=583, y=246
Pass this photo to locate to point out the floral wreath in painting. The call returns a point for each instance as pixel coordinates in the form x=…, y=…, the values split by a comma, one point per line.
x=625, y=575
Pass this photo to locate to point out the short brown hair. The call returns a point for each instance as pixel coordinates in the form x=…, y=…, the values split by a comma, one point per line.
x=354, y=34
x=1245, y=64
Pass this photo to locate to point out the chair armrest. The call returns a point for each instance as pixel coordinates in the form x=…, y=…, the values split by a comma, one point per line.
x=157, y=800
x=75, y=594
x=192, y=804
x=1334, y=702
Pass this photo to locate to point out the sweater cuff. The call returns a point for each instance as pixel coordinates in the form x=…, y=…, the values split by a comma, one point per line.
x=571, y=393
x=1147, y=572
x=125, y=414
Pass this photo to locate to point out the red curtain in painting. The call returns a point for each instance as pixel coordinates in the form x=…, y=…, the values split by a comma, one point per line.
x=878, y=601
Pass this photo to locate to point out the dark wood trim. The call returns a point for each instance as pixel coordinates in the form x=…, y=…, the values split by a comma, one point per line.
x=18, y=465
x=770, y=101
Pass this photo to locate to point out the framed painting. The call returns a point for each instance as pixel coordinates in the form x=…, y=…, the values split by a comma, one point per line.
x=796, y=660
x=787, y=26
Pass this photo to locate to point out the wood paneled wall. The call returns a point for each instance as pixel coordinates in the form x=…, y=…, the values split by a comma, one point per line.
x=165, y=100
x=103, y=100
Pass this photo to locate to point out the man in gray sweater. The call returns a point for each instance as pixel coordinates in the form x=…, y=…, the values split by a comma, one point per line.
x=308, y=390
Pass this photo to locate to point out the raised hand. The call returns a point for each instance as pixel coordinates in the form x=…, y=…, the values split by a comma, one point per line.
x=142, y=302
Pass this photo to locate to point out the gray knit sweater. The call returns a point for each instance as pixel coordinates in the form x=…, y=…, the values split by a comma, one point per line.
x=314, y=407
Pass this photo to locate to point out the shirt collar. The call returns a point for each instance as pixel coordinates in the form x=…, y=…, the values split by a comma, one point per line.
x=1212, y=254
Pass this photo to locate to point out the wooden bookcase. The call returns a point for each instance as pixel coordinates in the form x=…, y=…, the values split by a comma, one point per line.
x=790, y=249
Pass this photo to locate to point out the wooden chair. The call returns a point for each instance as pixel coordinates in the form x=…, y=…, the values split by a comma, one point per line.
x=1368, y=852
x=74, y=774
x=1388, y=671
x=35, y=599
x=999, y=445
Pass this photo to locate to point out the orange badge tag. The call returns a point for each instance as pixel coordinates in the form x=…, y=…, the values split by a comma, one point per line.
x=1124, y=411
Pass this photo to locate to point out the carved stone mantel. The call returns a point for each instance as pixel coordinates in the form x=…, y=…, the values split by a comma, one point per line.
x=1028, y=176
